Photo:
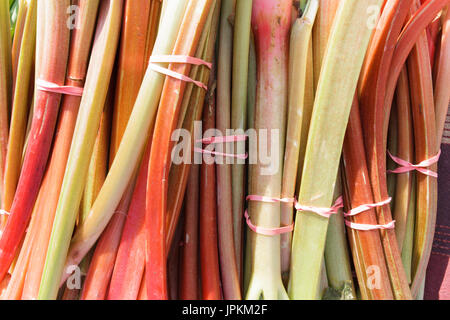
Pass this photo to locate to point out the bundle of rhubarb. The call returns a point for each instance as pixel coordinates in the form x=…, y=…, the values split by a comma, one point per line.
x=220, y=149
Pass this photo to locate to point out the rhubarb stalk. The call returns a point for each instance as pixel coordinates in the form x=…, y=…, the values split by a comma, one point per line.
x=271, y=21
x=88, y=121
x=20, y=107
x=52, y=69
x=51, y=184
x=299, y=48
x=133, y=141
x=241, y=46
x=228, y=262
x=405, y=151
x=209, y=252
x=5, y=86
x=423, y=112
x=375, y=120
x=160, y=156
x=130, y=261
x=344, y=56
x=442, y=89
x=366, y=246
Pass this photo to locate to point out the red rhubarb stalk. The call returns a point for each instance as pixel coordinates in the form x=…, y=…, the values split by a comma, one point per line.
x=189, y=260
x=365, y=245
x=46, y=205
x=442, y=89
x=373, y=119
x=130, y=261
x=209, y=253
x=166, y=121
x=422, y=102
x=52, y=69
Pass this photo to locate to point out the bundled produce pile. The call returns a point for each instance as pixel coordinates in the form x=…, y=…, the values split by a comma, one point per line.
x=220, y=149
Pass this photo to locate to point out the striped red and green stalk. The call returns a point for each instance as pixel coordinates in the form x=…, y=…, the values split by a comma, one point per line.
x=271, y=21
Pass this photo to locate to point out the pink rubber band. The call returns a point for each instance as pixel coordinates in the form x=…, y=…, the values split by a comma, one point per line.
x=178, y=59
x=4, y=213
x=269, y=199
x=177, y=75
x=366, y=207
x=370, y=227
x=324, y=212
x=421, y=167
x=223, y=139
x=214, y=140
x=53, y=87
x=121, y=213
x=230, y=155
x=267, y=231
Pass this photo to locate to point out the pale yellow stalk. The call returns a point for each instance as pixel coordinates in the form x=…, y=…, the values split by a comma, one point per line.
x=341, y=67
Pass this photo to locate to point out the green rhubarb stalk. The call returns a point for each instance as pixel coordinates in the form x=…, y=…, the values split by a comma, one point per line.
x=241, y=47
x=321, y=33
x=14, y=7
x=18, y=34
x=407, y=247
x=226, y=233
x=392, y=145
x=5, y=85
x=341, y=67
x=307, y=112
x=322, y=288
x=133, y=140
x=298, y=57
x=405, y=151
x=86, y=129
x=251, y=103
x=337, y=257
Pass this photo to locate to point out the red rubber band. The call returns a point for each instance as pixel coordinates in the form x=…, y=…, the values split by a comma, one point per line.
x=53, y=87
x=324, y=212
x=406, y=166
x=268, y=231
